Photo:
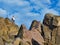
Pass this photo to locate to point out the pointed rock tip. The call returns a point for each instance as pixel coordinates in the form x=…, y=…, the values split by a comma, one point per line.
x=22, y=26
x=35, y=23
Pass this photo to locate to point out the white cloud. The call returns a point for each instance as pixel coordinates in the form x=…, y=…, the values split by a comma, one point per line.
x=33, y=14
x=16, y=2
x=3, y=12
x=50, y=11
x=24, y=8
x=41, y=3
x=48, y=1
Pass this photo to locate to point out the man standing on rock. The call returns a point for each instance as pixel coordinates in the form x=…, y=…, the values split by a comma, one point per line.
x=13, y=18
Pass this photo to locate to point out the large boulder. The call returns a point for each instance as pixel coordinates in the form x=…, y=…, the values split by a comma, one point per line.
x=8, y=30
x=48, y=19
x=13, y=28
x=51, y=29
x=51, y=19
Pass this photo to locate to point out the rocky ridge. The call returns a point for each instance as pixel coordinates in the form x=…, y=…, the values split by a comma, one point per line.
x=46, y=33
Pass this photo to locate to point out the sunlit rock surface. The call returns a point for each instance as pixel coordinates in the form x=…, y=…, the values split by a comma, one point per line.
x=51, y=29
x=46, y=33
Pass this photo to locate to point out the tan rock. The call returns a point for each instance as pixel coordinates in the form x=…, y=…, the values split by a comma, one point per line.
x=48, y=19
x=17, y=41
x=37, y=37
x=57, y=36
x=28, y=35
x=7, y=29
x=56, y=21
x=51, y=29
x=37, y=25
x=4, y=31
x=13, y=29
x=46, y=34
x=1, y=41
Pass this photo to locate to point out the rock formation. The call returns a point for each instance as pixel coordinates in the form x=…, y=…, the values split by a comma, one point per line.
x=51, y=25
x=46, y=33
x=29, y=35
x=7, y=30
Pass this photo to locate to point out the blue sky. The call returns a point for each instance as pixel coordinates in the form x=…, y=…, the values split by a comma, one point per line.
x=25, y=11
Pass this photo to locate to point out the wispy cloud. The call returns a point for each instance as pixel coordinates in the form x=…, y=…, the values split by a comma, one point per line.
x=3, y=13
x=50, y=11
x=33, y=14
x=27, y=10
x=16, y=2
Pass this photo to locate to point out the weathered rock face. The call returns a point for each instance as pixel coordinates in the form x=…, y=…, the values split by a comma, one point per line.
x=47, y=19
x=51, y=25
x=36, y=25
x=36, y=32
x=33, y=36
x=7, y=30
x=47, y=33
x=56, y=21
x=1, y=41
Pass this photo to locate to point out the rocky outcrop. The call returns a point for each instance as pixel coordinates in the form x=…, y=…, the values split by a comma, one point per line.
x=36, y=25
x=29, y=35
x=51, y=25
x=46, y=33
x=7, y=30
